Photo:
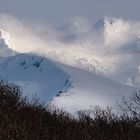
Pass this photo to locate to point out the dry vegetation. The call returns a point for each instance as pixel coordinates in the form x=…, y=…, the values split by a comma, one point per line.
x=22, y=118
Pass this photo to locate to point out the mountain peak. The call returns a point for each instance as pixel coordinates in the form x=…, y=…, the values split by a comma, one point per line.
x=113, y=29
x=107, y=22
x=101, y=23
x=75, y=25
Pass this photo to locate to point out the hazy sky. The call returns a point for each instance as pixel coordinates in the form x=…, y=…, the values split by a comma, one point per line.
x=58, y=10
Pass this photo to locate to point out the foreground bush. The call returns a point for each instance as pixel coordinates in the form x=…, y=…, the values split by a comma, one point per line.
x=22, y=118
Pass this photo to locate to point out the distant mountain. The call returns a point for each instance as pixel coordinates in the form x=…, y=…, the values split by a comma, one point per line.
x=75, y=25
x=113, y=29
x=100, y=23
x=73, y=29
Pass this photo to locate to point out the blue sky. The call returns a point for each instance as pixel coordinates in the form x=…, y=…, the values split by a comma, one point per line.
x=58, y=10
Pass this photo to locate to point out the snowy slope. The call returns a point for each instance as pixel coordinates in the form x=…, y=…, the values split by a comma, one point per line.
x=89, y=89
x=35, y=75
x=70, y=88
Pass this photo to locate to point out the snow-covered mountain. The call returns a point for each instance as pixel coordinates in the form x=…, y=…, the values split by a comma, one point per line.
x=100, y=24
x=70, y=88
x=75, y=25
x=89, y=71
x=35, y=75
x=113, y=29
x=73, y=29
